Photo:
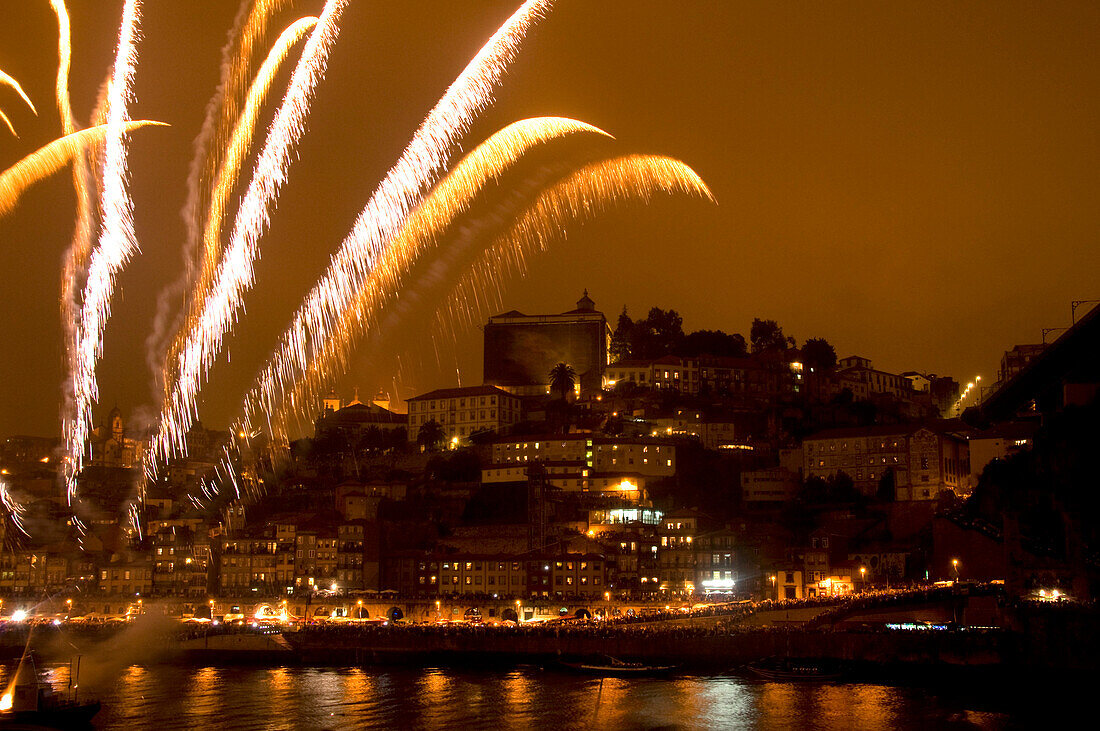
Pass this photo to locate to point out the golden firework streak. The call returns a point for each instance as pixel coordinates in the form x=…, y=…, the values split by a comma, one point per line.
x=399, y=192
x=379, y=221
x=187, y=370
x=7, y=123
x=6, y=80
x=579, y=196
x=283, y=389
x=226, y=181
x=50, y=158
x=117, y=243
x=77, y=256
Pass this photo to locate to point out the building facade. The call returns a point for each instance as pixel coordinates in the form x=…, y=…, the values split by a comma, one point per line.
x=520, y=350
x=464, y=411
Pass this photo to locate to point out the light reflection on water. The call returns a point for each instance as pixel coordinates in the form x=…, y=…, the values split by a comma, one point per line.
x=173, y=697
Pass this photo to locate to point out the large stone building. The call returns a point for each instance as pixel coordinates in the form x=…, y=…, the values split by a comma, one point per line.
x=857, y=374
x=464, y=411
x=760, y=377
x=613, y=466
x=520, y=350
x=112, y=446
x=354, y=420
x=923, y=459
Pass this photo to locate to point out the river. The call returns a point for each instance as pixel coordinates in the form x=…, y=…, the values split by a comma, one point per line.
x=188, y=697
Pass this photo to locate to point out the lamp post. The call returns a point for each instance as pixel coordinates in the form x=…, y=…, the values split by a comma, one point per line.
x=774, y=587
x=863, y=578
x=519, y=614
x=955, y=565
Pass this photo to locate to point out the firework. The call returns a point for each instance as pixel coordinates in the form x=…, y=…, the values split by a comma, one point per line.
x=222, y=113
x=234, y=274
x=223, y=109
x=230, y=168
x=578, y=196
x=77, y=256
x=8, y=81
x=226, y=181
x=15, y=510
x=47, y=160
x=117, y=243
x=8, y=124
x=402, y=188
x=284, y=385
x=380, y=220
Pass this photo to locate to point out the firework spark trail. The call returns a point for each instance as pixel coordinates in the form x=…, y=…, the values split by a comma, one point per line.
x=14, y=508
x=222, y=111
x=77, y=256
x=576, y=197
x=235, y=272
x=6, y=80
x=117, y=242
x=222, y=190
x=64, y=56
x=50, y=158
x=241, y=141
x=402, y=188
x=7, y=123
x=449, y=199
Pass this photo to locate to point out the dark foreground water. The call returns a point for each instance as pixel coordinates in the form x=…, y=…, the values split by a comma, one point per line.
x=182, y=697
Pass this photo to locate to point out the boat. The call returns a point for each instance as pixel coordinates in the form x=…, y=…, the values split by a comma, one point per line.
x=30, y=702
x=615, y=667
x=793, y=669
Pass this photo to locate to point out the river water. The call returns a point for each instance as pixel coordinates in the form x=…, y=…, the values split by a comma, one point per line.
x=187, y=697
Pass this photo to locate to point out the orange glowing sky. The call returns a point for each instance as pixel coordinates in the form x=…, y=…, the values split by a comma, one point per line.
x=915, y=181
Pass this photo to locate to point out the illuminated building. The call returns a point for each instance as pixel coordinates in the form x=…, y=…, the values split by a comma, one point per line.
x=126, y=576
x=112, y=447
x=652, y=458
x=354, y=419
x=856, y=374
x=520, y=350
x=924, y=459
x=759, y=377
x=718, y=568
x=676, y=552
x=568, y=575
x=462, y=574
x=464, y=411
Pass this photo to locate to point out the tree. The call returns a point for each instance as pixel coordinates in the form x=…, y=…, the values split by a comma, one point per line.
x=767, y=336
x=622, y=338
x=712, y=342
x=430, y=435
x=818, y=355
x=562, y=379
x=886, y=486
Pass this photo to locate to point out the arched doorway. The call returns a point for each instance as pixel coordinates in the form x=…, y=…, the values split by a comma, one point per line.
x=582, y=613
x=509, y=615
x=395, y=614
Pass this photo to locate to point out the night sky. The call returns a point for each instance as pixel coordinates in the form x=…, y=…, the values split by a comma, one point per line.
x=916, y=182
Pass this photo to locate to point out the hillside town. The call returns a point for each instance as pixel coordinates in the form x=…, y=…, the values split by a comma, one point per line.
x=625, y=459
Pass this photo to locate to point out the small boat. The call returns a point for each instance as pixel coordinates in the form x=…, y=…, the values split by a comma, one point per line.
x=28, y=701
x=794, y=670
x=618, y=668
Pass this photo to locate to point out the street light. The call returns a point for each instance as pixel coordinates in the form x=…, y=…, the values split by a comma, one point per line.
x=863, y=577
x=774, y=588
x=955, y=565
